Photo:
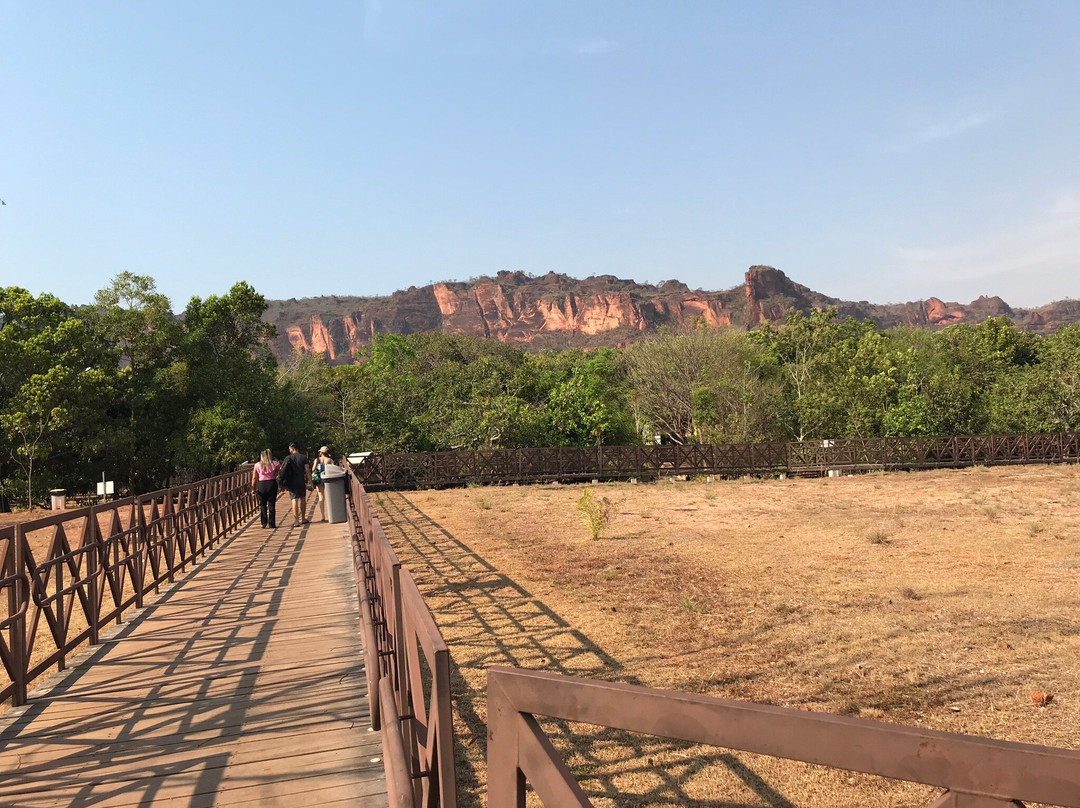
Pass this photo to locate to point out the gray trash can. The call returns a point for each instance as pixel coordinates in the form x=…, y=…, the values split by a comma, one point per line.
x=334, y=479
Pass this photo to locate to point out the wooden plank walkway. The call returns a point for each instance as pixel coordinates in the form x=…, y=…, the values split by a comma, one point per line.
x=243, y=685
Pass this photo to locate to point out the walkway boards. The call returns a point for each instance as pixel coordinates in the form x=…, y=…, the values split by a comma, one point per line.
x=241, y=686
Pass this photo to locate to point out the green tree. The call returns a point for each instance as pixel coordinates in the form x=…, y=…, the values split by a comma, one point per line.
x=587, y=407
x=1044, y=395
x=232, y=380
x=55, y=382
x=152, y=394
x=817, y=357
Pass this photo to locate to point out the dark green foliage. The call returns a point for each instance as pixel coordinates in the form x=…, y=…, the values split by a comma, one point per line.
x=432, y=391
x=55, y=384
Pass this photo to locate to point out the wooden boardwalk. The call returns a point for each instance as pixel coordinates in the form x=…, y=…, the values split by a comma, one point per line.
x=243, y=685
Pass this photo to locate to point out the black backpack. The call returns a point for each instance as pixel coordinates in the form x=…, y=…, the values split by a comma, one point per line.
x=285, y=473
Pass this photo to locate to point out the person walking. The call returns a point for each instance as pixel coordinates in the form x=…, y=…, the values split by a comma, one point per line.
x=264, y=481
x=318, y=468
x=295, y=476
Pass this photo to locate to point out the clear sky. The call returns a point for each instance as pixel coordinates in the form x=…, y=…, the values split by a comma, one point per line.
x=885, y=151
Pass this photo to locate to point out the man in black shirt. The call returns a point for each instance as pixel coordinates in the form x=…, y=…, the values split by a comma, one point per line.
x=295, y=478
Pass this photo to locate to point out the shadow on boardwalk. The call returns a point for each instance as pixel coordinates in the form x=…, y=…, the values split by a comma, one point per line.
x=489, y=619
x=202, y=699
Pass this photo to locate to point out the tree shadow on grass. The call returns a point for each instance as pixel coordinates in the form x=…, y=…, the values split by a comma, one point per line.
x=490, y=619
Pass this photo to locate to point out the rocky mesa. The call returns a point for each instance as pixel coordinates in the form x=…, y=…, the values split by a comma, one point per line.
x=557, y=311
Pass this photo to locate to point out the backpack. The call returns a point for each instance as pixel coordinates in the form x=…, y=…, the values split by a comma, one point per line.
x=284, y=474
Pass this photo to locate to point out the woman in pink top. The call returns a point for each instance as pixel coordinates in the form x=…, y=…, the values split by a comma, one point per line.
x=264, y=481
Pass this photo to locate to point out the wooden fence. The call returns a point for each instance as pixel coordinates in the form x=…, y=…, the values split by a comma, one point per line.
x=408, y=667
x=65, y=577
x=568, y=464
x=976, y=772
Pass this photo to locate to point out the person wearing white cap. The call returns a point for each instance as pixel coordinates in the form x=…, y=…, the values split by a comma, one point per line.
x=317, y=470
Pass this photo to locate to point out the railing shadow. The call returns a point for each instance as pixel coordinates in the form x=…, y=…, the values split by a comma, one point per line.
x=153, y=729
x=493, y=620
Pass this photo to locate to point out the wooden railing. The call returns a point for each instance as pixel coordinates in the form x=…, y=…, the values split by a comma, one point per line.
x=976, y=772
x=408, y=668
x=65, y=577
x=567, y=464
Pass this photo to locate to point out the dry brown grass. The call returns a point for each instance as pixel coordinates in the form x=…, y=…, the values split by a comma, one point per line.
x=922, y=598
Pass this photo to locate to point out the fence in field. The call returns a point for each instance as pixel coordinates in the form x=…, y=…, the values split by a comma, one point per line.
x=568, y=464
x=65, y=577
x=976, y=772
x=408, y=667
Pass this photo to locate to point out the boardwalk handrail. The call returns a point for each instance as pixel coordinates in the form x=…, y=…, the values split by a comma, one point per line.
x=408, y=667
x=975, y=771
x=567, y=464
x=99, y=563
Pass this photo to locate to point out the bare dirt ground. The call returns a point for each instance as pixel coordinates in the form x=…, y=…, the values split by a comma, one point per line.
x=940, y=599
x=15, y=517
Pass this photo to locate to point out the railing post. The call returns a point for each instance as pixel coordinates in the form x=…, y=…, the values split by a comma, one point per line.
x=61, y=620
x=400, y=661
x=18, y=606
x=93, y=565
x=142, y=555
x=172, y=533
x=506, y=781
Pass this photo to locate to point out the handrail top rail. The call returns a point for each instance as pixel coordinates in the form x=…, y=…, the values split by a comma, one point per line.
x=1002, y=770
x=426, y=629
x=545, y=681
x=114, y=505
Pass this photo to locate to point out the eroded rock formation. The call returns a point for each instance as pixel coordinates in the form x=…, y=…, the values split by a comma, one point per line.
x=558, y=311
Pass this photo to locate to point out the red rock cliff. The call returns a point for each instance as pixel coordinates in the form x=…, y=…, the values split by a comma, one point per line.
x=558, y=311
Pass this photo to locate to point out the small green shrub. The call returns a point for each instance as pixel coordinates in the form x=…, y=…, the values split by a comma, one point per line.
x=1035, y=528
x=692, y=605
x=482, y=502
x=597, y=512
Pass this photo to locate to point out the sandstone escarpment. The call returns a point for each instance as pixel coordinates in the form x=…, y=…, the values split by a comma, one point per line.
x=556, y=311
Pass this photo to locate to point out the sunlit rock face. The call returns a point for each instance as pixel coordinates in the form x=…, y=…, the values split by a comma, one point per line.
x=557, y=311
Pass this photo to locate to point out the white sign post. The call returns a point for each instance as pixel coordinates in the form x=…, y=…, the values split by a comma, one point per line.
x=105, y=488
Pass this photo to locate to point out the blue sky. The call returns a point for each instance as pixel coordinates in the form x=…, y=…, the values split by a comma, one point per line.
x=877, y=151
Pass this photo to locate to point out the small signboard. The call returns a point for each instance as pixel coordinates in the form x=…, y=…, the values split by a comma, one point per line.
x=105, y=488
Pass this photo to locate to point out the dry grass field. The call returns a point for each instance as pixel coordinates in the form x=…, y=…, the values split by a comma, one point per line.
x=940, y=599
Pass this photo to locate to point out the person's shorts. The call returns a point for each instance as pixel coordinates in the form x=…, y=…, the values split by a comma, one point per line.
x=298, y=492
